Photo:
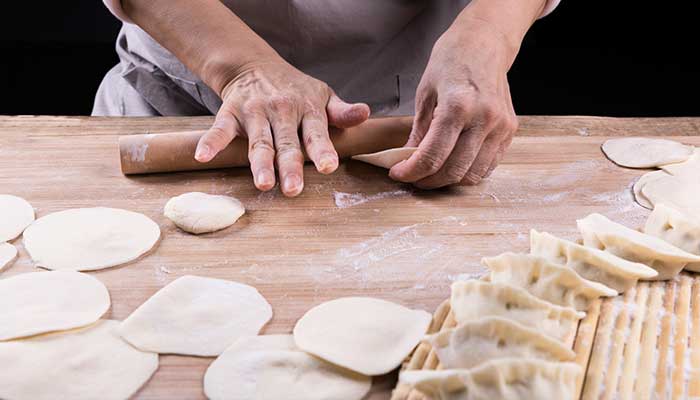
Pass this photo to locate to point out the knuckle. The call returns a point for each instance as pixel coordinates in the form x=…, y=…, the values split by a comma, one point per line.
x=429, y=163
x=454, y=175
x=471, y=178
x=513, y=124
x=280, y=103
x=218, y=135
x=260, y=145
x=287, y=149
x=457, y=105
x=312, y=138
x=252, y=106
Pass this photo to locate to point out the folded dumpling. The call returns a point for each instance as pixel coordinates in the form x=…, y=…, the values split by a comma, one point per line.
x=548, y=281
x=472, y=300
x=601, y=233
x=476, y=342
x=676, y=228
x=503, y=379
x=590, y=263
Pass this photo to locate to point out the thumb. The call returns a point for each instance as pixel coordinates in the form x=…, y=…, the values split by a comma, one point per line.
x=345, y=115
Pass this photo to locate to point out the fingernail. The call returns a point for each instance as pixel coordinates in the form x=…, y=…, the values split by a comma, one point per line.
x=327, y=164
x=292, y=185
x=203, y=153
x=264, y=180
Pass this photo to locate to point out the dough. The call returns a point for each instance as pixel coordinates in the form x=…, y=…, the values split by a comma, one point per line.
x=90, y=363
x=643, y=181
x=41, y=302
x=635, y=152
x=677, y=228
x=272, y=367
x=86, y=239
x=196, y=316
x=8, y=253
x=366, y=335
x=681, y=192
x=15, y=215
x=201, y=213
x=689, y=167
x=387, y=158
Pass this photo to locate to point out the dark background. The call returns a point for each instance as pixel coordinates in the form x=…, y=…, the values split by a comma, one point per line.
x=615, y=58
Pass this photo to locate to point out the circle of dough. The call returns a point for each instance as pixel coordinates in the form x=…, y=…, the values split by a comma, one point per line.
x=636, y=152
x=15, y=215
x=86, y=239
x=41, y=302
x=196, y=316
x=8, y=253
x=90, y=363
x=271, y=367
x=202, y=213
x=366, y=335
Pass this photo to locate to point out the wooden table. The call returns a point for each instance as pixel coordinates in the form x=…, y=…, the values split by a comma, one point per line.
x=352, y=233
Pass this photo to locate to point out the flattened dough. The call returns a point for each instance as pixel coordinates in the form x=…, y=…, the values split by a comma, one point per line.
x=15, y=215
x=86, y=239
x=196, y=316
x=90, y=363
x=41, y=302
x=272, y=367
x=636, y=152
x=8, y=253
x=689, y=167
x=366, y=335
x=681, y=192
x=197, y=212
x=643, y=181
x=387, y=158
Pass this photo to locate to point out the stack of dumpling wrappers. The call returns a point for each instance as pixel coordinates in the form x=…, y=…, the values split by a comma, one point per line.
x=515, y=326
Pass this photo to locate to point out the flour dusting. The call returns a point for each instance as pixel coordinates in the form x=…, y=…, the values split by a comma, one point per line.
x=345, y=200
x=137, y=153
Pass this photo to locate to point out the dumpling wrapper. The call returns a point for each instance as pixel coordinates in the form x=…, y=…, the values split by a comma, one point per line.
x=689, y=167
x=387, y=158
x=474, y=299
x=89, y=363
x=636, y=152
x=502, y=379
x=366, y=335
x=546, y=280
x=196, y=316
x=473, y=343
x=592, y=264
x=271, y=367
x=681, y=192
x=601, y=233
x=641, y=182
x=677, y=228
x=15, y=215
x=41, y=302
x=87, y=239
x=197, y=212
x=8, y=253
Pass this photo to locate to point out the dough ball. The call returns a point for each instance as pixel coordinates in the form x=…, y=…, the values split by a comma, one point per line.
x=90, y=363
x=387, y=158
x=196, y=316
x=15, y=215
x=272, y=367
x=366, y=335
x=41, y=302
x=638, y=152
x=86, y=239
x=202, y=213
x=8, y=253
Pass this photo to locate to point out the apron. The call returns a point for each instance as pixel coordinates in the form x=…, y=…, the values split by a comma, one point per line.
x=368, y=51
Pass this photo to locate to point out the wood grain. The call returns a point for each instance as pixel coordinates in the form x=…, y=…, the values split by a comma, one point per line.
x=353, y=233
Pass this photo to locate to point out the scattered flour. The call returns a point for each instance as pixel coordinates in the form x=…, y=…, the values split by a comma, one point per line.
x=137, y=153
x=345, y=200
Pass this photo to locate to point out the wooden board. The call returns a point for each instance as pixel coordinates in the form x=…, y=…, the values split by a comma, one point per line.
x=353, y=233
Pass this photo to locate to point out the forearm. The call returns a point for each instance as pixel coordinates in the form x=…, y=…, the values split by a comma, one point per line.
x=204, y=34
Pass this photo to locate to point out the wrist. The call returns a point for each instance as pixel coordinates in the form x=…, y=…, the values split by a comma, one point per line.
x=219, y=70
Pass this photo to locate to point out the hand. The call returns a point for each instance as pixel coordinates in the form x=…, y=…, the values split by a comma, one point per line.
x=269, y=103
x=464, y=118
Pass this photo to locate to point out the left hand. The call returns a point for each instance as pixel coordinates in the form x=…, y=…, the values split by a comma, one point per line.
x=464, y=118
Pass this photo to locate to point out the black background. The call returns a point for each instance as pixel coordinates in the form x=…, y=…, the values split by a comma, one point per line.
x=615, y=58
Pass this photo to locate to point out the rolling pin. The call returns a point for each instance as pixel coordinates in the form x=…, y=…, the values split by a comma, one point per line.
x=174, y=151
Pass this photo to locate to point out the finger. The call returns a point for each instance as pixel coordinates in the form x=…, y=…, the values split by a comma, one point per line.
x=289, y=158
x=345, y=115
x=221, y=133
x=484, y=160
x=318, y=145
x=425, y=104
x=499, y=156
x=434, y=149
x=261, y=151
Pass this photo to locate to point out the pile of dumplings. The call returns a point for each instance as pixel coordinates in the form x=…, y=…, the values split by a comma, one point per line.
x=515, y=326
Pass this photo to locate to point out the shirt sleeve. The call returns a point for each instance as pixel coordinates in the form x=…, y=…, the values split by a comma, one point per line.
x=548, y=8
x=115, y=7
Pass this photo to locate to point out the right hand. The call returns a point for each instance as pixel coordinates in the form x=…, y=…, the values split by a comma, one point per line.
x=270, y=103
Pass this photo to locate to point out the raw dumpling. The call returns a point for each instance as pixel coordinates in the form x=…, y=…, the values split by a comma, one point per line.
x=476, y=342
x=366, y=335
x=643, y=181
x=679, y=191
x=387, y=158
x=202, y=213
x=504, y=379
x=677, y=228
x=472, y=300
x=272, y=367
x=636, y=152
x=546, y=280
x=601, y=233
x=593, y=264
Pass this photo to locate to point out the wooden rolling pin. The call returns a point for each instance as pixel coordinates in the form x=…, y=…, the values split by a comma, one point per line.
x=171, y=152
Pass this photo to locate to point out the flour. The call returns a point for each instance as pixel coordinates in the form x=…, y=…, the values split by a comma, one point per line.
x=137, y=153
x=346, y=200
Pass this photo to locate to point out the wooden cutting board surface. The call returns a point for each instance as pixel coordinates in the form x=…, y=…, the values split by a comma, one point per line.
x=352, y=233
